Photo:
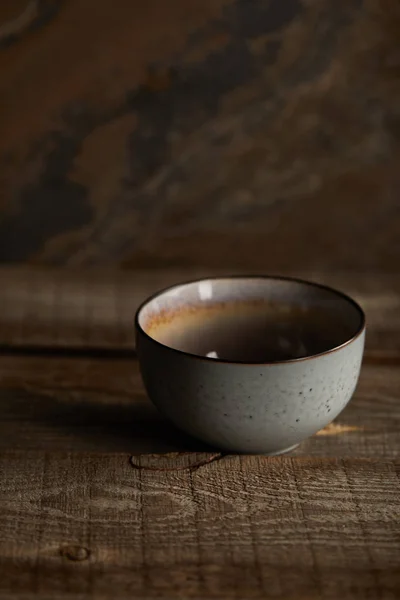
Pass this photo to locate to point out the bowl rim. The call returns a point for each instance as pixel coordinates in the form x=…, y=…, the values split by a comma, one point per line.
x=360, y=330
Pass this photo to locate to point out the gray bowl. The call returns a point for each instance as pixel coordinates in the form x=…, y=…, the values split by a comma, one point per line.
x=245, y=405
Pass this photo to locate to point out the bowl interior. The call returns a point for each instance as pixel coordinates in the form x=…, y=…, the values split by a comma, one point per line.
x=251, y=319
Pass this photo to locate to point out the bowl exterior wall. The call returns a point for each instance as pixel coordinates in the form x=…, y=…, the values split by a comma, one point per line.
x=249, y=408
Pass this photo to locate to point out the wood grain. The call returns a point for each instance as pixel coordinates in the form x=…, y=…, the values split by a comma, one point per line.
x=242, y=527
x=77, y=404
x=102, y=498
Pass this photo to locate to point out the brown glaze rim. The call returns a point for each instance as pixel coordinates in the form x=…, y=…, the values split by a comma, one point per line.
x=215, y=361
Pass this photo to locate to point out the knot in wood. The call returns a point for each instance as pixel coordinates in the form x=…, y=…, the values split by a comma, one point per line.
x=75, y=552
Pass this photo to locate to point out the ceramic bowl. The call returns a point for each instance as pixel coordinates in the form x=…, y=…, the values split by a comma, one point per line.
x=244, y=406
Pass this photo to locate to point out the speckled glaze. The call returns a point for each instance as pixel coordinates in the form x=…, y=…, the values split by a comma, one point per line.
x=264, y=408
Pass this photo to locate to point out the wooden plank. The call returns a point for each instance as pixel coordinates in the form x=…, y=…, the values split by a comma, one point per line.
x=95, y=309
x=85, y=526
x=100, y=406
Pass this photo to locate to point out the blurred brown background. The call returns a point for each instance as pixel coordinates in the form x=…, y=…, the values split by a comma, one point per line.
x=254, y=133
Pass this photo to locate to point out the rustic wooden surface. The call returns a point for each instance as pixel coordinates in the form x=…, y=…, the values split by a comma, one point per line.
x=157, y=133
x=83, y=526
x=101, y=498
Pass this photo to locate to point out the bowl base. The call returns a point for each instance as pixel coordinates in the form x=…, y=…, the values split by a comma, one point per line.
x=285, y=451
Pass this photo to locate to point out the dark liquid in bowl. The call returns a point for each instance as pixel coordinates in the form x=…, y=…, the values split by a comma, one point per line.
x=253, y=332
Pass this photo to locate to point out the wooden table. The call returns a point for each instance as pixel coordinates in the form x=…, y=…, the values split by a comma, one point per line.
x=101, y=498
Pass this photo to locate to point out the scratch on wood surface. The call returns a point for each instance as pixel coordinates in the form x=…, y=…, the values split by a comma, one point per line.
x=192, y=467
